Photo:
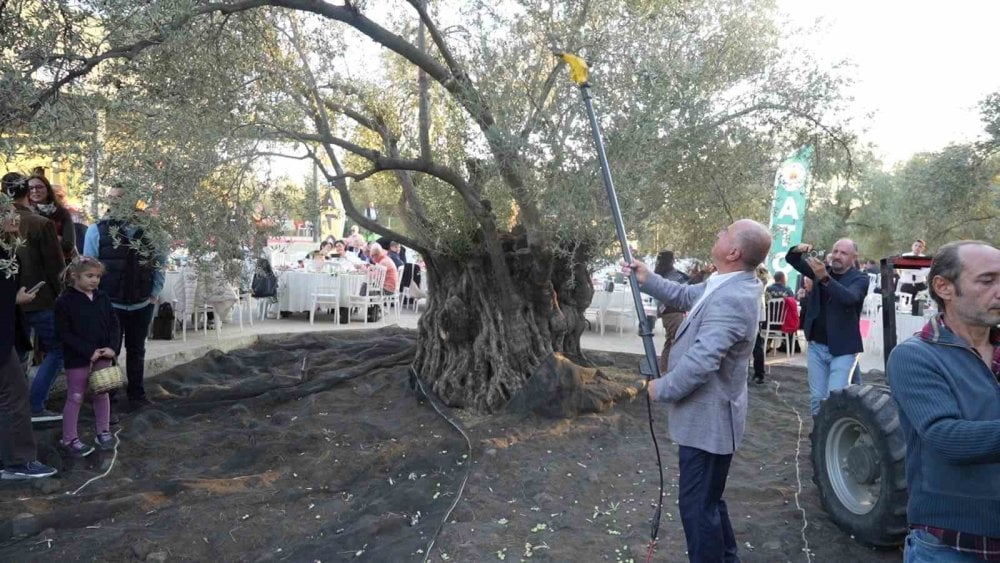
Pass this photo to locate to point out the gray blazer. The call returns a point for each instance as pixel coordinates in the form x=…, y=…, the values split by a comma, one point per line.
x=705, y=386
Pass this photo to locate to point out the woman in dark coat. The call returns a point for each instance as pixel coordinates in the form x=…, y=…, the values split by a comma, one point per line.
x=49, y=204
x=17, y=443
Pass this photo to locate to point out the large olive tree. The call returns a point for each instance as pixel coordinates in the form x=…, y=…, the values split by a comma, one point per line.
x=460, y=109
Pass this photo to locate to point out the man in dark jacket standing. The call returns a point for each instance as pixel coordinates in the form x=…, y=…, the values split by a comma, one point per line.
x=133, y=278
x=41, y=260
x=946, y=382
x=832, y=321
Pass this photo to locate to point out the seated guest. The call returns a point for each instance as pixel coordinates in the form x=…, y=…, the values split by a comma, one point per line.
x=394, y=254
x=355, y=241
x=326, y=248
x=380, y=257
x=339, y=248
x=778, y=289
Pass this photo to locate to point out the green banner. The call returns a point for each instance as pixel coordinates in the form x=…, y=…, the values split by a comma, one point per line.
x=789, y=211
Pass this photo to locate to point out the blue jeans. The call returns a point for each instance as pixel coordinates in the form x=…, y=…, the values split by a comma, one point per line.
x=826, y=373
x=922, y=547
x=44, y=324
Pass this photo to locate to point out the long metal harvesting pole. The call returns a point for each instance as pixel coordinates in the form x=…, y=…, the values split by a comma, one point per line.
x=645, y=331
x=578, y=73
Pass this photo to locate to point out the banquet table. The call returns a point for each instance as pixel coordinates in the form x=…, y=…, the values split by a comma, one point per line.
x=296, y=288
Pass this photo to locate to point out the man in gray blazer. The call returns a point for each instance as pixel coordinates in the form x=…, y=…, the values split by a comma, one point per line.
x=705, y=385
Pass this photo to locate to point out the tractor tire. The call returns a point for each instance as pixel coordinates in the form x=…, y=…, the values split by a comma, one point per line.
x=858, y=458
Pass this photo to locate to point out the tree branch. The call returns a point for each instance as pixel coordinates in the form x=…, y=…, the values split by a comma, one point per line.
x=354, y=213
x=438, y=39
x=453, y=80
x=129, y=51
x=537, y=106
x=424, y=102
x=798, y=113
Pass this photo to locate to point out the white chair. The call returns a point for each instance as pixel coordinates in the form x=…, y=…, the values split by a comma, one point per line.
x=373, y=295
x=620, y=305
x=327, y=294
x=244, y=306
x=596, y=310
x=184, y=305
x=772, y=326
x=406, y=299
x=394, y=302
x=201, y=312
x=904, y=302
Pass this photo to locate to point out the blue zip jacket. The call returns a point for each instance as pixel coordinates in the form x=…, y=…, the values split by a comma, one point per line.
x=949, y=409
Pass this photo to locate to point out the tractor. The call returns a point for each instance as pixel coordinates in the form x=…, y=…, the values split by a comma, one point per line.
x=858, y=449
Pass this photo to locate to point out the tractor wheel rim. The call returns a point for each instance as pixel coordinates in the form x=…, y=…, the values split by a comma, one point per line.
x=858, y=497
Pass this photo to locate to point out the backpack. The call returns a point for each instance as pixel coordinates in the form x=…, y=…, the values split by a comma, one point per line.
x=163, y=323
x=265, y=283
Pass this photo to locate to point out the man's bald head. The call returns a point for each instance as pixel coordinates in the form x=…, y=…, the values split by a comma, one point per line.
x=753, y=240
x=843, y=255
x=741, y=246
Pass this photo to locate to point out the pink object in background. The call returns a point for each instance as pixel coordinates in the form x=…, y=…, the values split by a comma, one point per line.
x=866, y=326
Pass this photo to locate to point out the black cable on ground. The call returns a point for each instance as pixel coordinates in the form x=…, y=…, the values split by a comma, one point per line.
x=655, y=525
x=438, y=407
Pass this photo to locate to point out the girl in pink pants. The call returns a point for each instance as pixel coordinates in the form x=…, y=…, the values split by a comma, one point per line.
x=88, y=330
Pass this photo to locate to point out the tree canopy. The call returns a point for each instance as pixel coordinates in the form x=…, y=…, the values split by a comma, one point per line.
x=456, y=114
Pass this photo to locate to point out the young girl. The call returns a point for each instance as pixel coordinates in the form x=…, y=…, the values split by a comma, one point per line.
x=88, y=328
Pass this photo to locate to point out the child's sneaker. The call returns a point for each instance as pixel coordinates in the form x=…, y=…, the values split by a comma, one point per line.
x=106, y=441
x=30, y=470
x=76, y=448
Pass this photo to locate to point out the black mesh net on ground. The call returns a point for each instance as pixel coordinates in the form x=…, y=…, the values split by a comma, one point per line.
x=315, y=448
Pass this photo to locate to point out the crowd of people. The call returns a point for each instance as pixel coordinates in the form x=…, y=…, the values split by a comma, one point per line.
x=82, y=292
x=355, y=254
x=945, y=380
x=85, y=295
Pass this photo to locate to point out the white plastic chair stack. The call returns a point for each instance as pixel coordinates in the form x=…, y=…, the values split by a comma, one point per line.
x=327, y=294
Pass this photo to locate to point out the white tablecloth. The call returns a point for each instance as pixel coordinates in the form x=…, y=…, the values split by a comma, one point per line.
x=296, y=288
x=168, y=294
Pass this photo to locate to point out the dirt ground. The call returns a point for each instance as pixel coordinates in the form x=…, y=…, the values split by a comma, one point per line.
x=314, y=448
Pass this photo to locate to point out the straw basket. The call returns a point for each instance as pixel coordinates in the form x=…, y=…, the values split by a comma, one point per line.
x=106, y=379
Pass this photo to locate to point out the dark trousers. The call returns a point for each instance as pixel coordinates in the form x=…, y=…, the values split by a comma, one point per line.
x=17, y=443
x=135, y=328
x=707, y=529
x=758, y=357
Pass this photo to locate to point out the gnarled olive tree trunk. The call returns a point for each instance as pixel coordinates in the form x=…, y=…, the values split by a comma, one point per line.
x=481, y=338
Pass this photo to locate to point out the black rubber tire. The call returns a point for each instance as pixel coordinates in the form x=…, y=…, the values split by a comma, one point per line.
x=872, y=407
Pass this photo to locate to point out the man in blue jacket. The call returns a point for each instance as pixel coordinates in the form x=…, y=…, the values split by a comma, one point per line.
x=833, y=314
x=946, y=381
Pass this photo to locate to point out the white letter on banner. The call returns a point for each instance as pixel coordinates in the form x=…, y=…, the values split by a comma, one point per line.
x=789, y=209
x=778, y=264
